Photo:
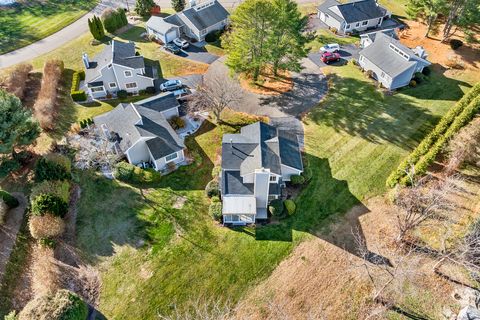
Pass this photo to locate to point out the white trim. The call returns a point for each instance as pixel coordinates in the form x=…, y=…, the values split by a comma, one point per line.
x=112, y=87
x=125, y=74
x=173, y=159
x=136, y=86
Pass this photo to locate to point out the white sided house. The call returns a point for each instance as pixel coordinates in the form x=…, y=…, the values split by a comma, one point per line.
x=142, y=133
x=352, y=17
x=255, y=164
x=116, y=68
x=194, y=22
x=390, y=62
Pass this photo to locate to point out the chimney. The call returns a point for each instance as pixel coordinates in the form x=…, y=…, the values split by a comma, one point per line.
x=85, y=61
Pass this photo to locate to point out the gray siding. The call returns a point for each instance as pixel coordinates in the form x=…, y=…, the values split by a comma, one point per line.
x=162, y=163
x=122, y=80
x=287, y=172
x=171, y=113
x=138, y=153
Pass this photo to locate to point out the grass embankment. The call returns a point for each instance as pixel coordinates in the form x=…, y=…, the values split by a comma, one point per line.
x=31, y=21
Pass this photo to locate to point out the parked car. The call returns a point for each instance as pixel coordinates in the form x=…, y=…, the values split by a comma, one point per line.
x=183, y=93
x=171, y=48
x=328, y=57
x=181, y=43
x=171, y=85
x=331, y=47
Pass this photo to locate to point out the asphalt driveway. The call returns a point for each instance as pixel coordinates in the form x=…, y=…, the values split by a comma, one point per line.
x=198, y=54
x=346, y=52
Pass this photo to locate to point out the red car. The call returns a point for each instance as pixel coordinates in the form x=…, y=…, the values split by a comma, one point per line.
x=329, y=57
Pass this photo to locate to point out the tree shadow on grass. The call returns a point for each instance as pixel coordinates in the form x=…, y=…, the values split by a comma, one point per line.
x=133, y=34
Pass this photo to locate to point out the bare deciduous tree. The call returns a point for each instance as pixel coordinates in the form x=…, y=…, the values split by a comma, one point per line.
x=464, y=147
x=214, y=94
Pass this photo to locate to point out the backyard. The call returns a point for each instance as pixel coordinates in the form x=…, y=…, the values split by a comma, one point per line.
x=30, y=21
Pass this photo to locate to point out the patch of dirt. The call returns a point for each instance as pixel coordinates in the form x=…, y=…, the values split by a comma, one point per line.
x=267, y=84
x=179, y=202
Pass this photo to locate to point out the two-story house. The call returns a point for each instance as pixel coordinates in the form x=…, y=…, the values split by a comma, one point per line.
x=194, y=22
x=392, y=63
x=255, y=164
x=116, y=68
x=352, y=17
x=142, y=133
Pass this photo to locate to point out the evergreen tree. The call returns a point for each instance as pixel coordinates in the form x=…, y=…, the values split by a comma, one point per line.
x=428, y=9
x=123, y=17
x=178, y=5
x=143, y=7
x=93, y=28
x=101, y=30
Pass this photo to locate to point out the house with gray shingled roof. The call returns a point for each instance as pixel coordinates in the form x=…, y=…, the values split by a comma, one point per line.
x=142, y=133
x=392, y=63
x=256, y=163
x=352, y=17
x=116, y=68
x=194, y=22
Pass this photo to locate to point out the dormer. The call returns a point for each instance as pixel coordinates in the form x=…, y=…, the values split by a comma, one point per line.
x=399, y=52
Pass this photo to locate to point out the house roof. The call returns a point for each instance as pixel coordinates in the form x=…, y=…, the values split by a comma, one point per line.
x=372, y=35
x=260, y=145
x=353, y=11
x=235, y=205
x=384, y=57
x=131, y=122
x=325, y=7
x=161, y=102
x=162, y=25
x=232, y=183
x=121, y=53
x=207, y=16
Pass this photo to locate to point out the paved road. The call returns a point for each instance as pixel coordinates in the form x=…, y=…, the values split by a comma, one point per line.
x=80, y=26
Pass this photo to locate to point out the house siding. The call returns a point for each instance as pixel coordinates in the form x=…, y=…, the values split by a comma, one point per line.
x=122, y=80
x=138, y=153
x=287, y=172
x=371, y=24
x=330, y=21
x=162, y=163
x=173, y=112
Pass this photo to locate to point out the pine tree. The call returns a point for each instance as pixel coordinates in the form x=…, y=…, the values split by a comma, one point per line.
x=99, y=25
x=93, y=28
x=123, y=16
x=178, y=5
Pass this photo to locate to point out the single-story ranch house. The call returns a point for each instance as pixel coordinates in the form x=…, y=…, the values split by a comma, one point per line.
x=255, y=165
x=352, y=17
x=392, y=63
x=194, y=22
x=142, y=133
x=116, y=68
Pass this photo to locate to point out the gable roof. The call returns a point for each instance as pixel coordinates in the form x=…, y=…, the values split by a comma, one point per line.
x=128, y=123
x=384, y=57
x=162, y=25
x=353, y=11
x=206, y=17
x=260, y=145
x=161, y=102
x=371, y=35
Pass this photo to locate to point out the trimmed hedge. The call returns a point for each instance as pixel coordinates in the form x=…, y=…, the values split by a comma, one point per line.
x=122, y=94
x=424, y=154
x=129, y=173
x=215, y=210
x=290, y=206
x=77, y=95
x=9, y=200
x=276, y=208
x=49, y=203
x=297, y=179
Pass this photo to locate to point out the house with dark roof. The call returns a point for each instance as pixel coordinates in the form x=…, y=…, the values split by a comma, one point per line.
x=116, y=68
x=368, y=38
x=256, y=163
x=352, y=17
x=392, y=63
x=141, y=131
x=194, y=22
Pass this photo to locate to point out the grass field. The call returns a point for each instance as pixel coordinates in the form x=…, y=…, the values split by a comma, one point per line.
x=31, y=21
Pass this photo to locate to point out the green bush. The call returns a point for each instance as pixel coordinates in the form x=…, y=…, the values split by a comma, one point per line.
x=276, y=208
x=426, y=71
x=62, y=305
x=129, y=173
x=7, y=166
x=212, y=189
x=215, y=199
x=412, y=83
x=215, y=210
x=122, y=94
x=213, y=36
x=77, y=95
x=150, y=90
x=216, y=171
x=290, y=206
x=114, y=19
x=59, y=188
x=297, y=179
x=49, y=203
x=9, y=200
x=53, y=167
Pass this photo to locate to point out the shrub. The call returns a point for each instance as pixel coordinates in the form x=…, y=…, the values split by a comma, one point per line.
x=334, y=30
x=216, y=171
x=419, y=77
x=45, y=227
x=23, y=156
x=10, y=200
x=276, y=208
x=215, y=210
x=176, y=122
x=53, y=168
x=3, y=211
x=63, y=305
x=215, y=199
x=212, y=189
x=48, y=203
x=213, y=36
x=413, y=83
x=297, y=179
x=150, y=90
x=56, y=187
x=290, y=206
x=77, y=95
x=114, y=19
x=426, y=71
x=16, y=81
x=129, y=173
x=455, y=44
x=8, y=165
x=11, y=316
x=352, y=62
x=122, y=94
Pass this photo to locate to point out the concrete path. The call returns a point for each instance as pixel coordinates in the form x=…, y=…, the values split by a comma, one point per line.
x=284, y=110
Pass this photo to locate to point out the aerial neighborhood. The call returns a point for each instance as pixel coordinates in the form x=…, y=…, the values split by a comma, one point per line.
x=258, y=159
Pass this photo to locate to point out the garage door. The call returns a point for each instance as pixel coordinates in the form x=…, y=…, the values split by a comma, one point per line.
x=171, y=35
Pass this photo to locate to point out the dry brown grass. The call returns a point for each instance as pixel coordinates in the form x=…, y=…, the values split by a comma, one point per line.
x=47, y=226
x=16, y=81
x=45, y=108
x=45, y=273
x=268, y=84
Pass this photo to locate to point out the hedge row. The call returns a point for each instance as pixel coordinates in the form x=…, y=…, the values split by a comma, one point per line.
x=78, y=95
x=450, y=123
x=129, y=173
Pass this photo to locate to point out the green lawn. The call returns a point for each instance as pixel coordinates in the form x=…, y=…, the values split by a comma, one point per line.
x=34, y=20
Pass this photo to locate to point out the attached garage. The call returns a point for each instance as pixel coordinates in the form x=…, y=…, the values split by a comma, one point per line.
x=163, y=31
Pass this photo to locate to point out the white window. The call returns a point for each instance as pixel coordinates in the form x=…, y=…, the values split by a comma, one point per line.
x=97, y=89
x=131, y=85
x=273, y=178
x=171, y=157
x=127, y=73
x=348, y=26
x=358, y=24
x=364, y=23
x=112, y=85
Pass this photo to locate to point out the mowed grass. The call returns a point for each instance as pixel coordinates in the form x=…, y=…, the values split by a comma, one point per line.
x=31, y=21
